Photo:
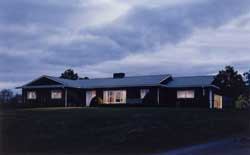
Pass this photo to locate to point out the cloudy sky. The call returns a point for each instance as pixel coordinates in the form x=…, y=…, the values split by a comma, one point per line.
x=99, y=37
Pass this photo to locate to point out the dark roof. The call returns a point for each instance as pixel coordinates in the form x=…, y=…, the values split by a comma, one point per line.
x=191, y=81
x=149, y=80
x=133, y=81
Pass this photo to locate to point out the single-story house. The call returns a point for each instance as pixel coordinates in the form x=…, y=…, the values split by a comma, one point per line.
x=192, y=91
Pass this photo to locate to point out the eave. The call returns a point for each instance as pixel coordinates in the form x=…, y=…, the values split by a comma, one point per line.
x=191, y=86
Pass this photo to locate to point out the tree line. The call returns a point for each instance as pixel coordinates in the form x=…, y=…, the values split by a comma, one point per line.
x=7, y=96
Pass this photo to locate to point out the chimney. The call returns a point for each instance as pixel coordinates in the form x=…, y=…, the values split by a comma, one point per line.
x=118, y=75
x=85, y=78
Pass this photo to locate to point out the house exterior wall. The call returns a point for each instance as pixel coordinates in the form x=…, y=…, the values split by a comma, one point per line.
x=131, y=92
x=43, y=97
x=168, y=97
x=75, y=97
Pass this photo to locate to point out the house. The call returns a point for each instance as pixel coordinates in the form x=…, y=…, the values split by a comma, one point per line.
x=192, y=91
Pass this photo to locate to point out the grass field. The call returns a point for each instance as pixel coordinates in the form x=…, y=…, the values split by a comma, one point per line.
x=113, y=130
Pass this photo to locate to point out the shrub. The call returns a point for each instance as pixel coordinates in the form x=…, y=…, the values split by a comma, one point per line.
x=96, y=101
x=149, y=99
x=242, y=102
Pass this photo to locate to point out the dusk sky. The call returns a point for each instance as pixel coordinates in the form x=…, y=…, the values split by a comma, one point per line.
x=138, y=37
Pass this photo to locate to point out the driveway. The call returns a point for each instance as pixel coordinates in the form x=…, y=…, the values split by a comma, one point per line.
x=232, y=146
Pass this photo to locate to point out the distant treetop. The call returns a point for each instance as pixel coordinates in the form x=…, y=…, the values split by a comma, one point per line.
x=69, y=74
x=84, y=78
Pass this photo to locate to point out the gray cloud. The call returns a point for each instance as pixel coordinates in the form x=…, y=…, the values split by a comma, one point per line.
x=143, y=28
x=44, y=37
x=148, y=28
x=36, y=12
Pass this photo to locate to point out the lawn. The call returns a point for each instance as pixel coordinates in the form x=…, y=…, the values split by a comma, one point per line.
x=113, y=130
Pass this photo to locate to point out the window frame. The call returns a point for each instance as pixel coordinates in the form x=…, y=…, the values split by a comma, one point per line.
x=33, y=96
x=218, y=102
x=114, y=96
x=56, y=91
x=185, y=94
x=144, y=92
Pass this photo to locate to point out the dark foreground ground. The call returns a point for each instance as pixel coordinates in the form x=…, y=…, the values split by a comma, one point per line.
x=238, y=145
x=114, y=130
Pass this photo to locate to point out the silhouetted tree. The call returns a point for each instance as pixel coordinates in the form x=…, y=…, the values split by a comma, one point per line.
x=16, y=99
x=243, y=101
x=85, y=78
x=69, y=74
x=230, y=82
x=5, y=96
x=247, y=76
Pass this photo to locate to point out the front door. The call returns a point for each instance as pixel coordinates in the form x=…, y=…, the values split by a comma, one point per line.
x=89, y=96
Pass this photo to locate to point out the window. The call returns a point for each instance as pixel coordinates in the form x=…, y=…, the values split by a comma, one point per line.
x=90, y=94
x=31, y=95
x=144, y=92
x=56, y=94
x=218, y=101
x=203, y=92
x=184, y=94
x=116, y=96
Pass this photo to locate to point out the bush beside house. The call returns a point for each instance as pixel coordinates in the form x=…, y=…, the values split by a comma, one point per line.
x=96, y=101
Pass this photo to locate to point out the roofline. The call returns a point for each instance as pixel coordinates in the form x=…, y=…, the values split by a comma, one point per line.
x=43, y=76
x=49, y=77
x=63, y=86
x=215, y=86
x=120, y=86
x=167, y=76
x=194, y=76
x=123, y=86
x=42, y=86
x=127, y=77
x=191, y=86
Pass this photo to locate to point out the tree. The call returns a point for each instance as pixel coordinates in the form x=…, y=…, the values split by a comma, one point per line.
x=230, y=82
x=242, y=102
x=84, y=78
x=16, y=99
x=5, y=96
x=69, y=74
x=247, y=76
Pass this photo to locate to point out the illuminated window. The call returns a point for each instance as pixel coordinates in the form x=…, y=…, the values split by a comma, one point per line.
x=144, y=92
x=217, y=101
x=31, y=95
x=114, y=97
x=90, y=94
x=185, y=94
x=56, y=94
